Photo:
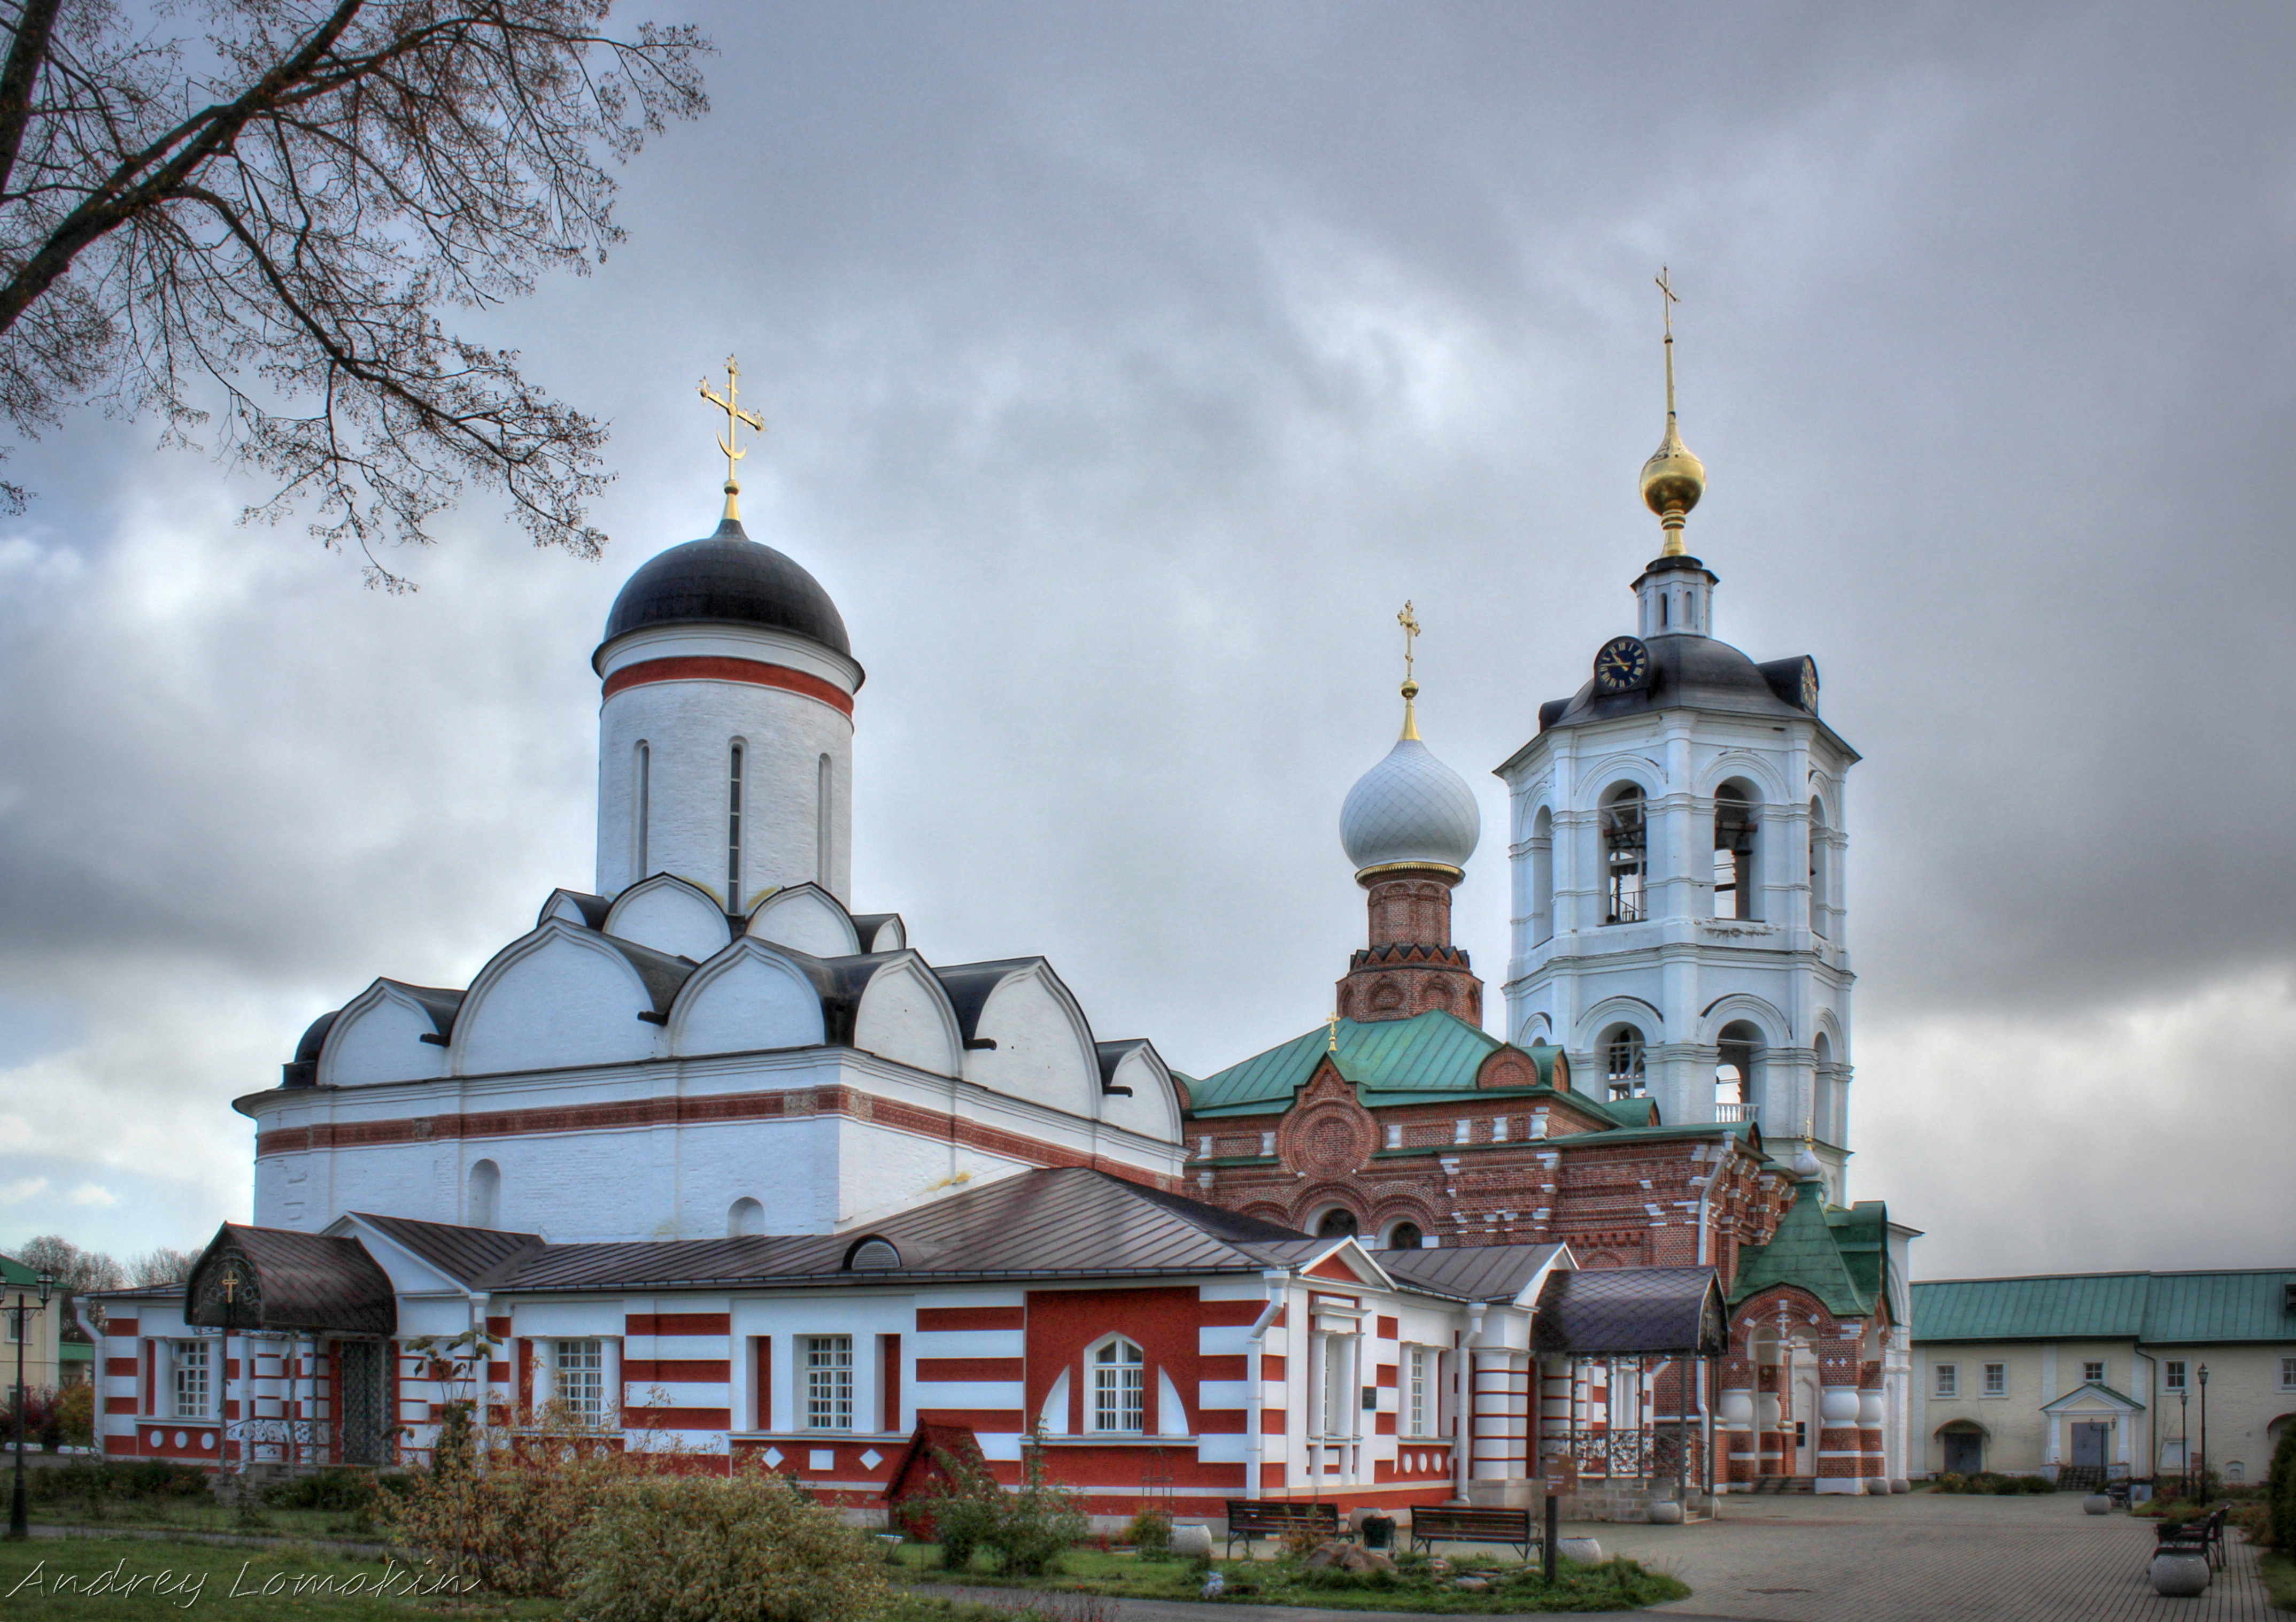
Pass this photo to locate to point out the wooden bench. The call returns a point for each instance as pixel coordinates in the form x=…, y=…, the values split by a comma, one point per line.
x=1430, y=1527
x=1250, y=1518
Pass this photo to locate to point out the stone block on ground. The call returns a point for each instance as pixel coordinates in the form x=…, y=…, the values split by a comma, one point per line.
x=1192, y=1540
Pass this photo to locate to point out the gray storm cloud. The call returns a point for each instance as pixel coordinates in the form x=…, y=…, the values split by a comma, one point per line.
x=1126, y=368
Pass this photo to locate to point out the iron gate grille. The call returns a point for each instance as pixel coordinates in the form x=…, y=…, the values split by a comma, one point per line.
x=366, y=1439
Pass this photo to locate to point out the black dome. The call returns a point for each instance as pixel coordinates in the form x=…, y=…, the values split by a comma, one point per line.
x=1691, y=672
x=728, y=577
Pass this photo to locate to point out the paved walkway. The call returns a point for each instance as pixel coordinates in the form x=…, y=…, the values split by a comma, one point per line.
x=1917, y=1557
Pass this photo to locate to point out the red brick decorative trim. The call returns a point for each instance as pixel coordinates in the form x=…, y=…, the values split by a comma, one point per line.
x=966, y=1318
x=677, y=1323
x=970, y=1368
x=666, y=1370
x=680, y=1110
x=718, y=667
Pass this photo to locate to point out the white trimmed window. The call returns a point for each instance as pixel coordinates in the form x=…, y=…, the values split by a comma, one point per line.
x=578, y=1379
x=2093, y=1373
x=1948, y=1381
x=192, y=1383
x=2172, y=1374
x=1418, y=1391
x=1120, y=1389
x=2288, y=1373
x=1997, y=1379
x=828, y=1382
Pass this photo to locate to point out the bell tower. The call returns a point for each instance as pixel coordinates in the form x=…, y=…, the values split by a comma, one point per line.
x=1676, y=848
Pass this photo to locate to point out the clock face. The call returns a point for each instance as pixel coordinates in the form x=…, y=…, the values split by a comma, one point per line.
x=1809, y=685
x=1622, y=665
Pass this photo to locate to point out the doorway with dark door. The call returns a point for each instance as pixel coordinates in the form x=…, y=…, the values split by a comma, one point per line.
x=1964, y=1451
x=2092, y=1442
x=363, y=1384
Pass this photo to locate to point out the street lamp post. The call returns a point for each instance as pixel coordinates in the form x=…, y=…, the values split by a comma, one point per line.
x=19, y=1522
x=2185, y=1439
x=2204, y=1433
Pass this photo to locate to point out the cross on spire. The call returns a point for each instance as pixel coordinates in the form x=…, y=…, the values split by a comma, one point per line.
x=730, y=442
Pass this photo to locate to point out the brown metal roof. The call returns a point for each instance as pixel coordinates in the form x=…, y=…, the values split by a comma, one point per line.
x=1472, y=1272
x=281, y=1279
x=1606, y=1312
x=466, y=1255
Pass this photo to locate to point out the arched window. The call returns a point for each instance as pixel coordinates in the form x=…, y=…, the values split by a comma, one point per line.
x=1338, y=1223
x=1625, y=849
x=1405, y=1236
x=744, y=1218
x=1542, y=876
x=1735, y=892
x=1819, y=900
x=642, y=815
x=874, y=1255
x=1828, y=1125
x=1622, y=1062
x=486, y=1194
x=1120, y=1389
x=822, y=824
x=1738, y=1050
x=734, y=829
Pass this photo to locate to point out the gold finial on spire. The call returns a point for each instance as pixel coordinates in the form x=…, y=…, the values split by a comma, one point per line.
x=1673, y=480
x=1332, y=1021
x=729, y=402
x=1410, y=686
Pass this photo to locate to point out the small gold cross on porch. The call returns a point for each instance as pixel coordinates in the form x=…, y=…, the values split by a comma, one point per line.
x=730, y=442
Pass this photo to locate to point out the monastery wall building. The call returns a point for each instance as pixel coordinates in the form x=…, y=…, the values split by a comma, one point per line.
x=708, y=1154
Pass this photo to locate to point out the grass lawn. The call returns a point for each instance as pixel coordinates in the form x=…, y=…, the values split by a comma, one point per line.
x=1616, y=1585
x=108, y=1579
x=2279, y=1574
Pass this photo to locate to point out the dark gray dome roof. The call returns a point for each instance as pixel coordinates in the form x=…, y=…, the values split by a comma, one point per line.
x=1689, y=672
x=728, y=577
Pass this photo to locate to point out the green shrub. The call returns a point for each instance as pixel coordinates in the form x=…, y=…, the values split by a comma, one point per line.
x=327, y=1489
x=1150, y=1532
x=2280, y=1495
x=75, y=1415
x=1953, y=1481
x=691, y=1548
x=1024, y=1530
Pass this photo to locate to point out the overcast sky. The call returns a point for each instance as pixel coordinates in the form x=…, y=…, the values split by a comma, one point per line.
x=1127, y=368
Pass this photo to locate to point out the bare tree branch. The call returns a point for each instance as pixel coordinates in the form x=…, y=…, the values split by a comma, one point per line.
x=261, y=250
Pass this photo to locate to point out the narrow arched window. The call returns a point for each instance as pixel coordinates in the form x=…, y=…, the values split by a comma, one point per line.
x=1626, y=838
x=1733, y=853
x=733, y=831
x=1338, y=1223
x=1736, y=1087
x=1828, y=1111
x=1819, y=900
x=1665, y=612
x=643, y=812
x=485, y=1205
x=1622, y=1064
x=823, y=824
x=1405, y=1236
x=1120, y=1387
x=1542, y=876
x=744, y=1218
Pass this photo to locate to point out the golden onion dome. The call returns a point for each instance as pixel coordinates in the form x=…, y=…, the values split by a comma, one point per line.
x=1673, y=480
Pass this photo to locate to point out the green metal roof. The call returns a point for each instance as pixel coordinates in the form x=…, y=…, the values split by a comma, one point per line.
x=1806, y=1252
x=2160, y=1308
x=2075, y=1394
x=1432, y=1052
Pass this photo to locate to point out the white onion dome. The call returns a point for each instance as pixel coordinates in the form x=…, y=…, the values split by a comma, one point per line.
x=1410, y=810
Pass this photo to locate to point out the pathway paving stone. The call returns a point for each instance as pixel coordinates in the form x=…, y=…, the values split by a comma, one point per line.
x=1924, y=1557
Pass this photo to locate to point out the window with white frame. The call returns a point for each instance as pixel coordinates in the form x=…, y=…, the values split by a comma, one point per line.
x=828, y=1382
x=1119, y=1397
x=2288, y=1373
x=1948, y=1381
x=1997, y=1379
x=192, y=1384
x=1418, y=1391
x=577, y=1379
x=2172, y=1374
x=2093, y=1373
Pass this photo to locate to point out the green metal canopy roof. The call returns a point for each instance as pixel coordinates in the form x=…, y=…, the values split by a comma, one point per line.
x=2160, y=1308
x=1434, y=1052
x=1806, y=1252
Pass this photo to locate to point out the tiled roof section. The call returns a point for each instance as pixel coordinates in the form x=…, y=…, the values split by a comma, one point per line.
x=1434, y=1051
x=1472, y=1272
x=2158, y=1308
x=1608, y=1312
x=1803, y=1252
x=466, y=1255
x=1066, y=1220
x=2093, y=1306
x=302, y=1281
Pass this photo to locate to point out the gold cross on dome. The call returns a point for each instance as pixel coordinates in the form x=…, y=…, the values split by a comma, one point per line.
x=1668, y=302
x=1332, y=1021
x=1410, y=629
x=730, y=442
